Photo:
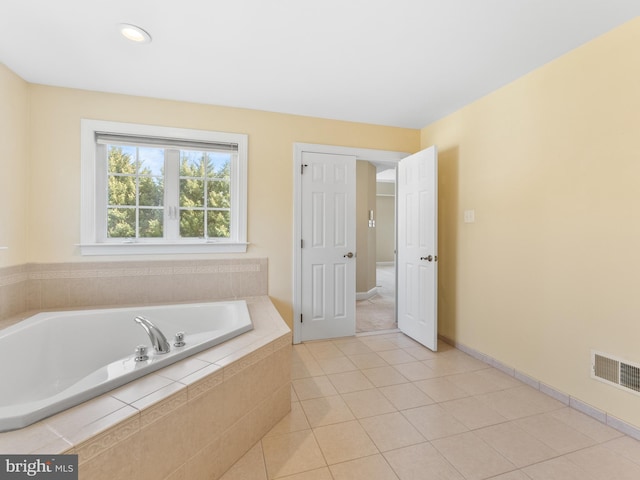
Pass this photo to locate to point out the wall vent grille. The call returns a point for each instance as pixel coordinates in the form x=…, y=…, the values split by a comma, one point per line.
x=615, y=371
x=630, y=377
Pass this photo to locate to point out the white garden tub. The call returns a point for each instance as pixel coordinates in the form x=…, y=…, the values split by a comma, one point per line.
x=55, y=360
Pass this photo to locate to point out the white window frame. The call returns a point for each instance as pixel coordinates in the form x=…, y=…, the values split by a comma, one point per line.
x=90, y=232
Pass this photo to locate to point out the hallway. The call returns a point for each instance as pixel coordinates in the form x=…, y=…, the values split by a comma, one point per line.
x=379, y=312
x=382, y=407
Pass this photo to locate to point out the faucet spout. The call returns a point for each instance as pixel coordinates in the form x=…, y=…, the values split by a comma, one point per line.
x=158, y=340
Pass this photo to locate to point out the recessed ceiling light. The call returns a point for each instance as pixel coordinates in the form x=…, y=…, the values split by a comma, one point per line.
x=134, y=33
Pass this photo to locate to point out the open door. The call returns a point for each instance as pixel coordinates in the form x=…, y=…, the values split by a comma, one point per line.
x=417, y=248
x=328, y=241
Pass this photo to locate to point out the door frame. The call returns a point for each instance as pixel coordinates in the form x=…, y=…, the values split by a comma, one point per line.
x=365, y=154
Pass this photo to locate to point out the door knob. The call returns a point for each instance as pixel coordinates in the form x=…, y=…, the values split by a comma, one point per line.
x=428, y=258
x=349, y=255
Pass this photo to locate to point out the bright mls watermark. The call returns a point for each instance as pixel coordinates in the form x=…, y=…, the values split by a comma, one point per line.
x=50, y=467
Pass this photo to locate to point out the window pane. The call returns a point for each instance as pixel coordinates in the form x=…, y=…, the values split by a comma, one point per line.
x=122, y=190
x=192, y=163
x=151, y=192
x=191, y=193
x=192, y=223
x=121, y=223
x=218, y=224
x=218, y=194
x=122, y=159
x=151, y=160
x=151, y=222
x=219, y=165
x=131, y=188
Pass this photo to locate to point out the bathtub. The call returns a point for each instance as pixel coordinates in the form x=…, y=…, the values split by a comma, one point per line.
x=55, y=360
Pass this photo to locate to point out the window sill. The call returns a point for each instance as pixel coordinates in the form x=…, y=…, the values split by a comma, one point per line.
x=161, y=248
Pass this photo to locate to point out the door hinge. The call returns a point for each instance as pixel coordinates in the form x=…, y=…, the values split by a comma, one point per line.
x=300, y=318
x=301, y=243
x=302, y=167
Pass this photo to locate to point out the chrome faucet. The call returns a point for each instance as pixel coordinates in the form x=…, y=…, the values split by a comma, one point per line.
x=158, y=340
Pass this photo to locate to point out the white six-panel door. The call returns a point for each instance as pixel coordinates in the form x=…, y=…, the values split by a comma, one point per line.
x=328, y=246
x=417, y=248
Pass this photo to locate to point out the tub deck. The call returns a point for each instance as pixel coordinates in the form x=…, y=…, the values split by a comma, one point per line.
x=195, y=417
x=94, y=352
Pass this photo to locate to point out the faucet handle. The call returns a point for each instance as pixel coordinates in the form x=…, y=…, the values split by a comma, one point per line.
x=179, y=340
x=141, y=353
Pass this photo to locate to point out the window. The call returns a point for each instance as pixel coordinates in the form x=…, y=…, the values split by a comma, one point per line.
x=149, y=189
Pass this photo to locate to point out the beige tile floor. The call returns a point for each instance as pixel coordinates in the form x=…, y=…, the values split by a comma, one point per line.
x=383, y=407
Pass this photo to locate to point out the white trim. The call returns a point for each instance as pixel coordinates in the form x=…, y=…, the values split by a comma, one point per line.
x=567, y=399
x=160, y=248
x=90, y=243
x=378, y=332
x=368, y=154
x=371, y=155
x=366, y=295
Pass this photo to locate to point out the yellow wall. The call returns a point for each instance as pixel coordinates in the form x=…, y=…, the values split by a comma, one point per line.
x=371, y=232
x=550, y=163
x=14, y=156
x=385, y=227
x=551, y=267
x=385, y=222
x=54, y=128
x=365, y=236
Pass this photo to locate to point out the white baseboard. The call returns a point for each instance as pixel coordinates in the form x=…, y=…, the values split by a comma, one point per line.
x=366, y=295
x=566, y=399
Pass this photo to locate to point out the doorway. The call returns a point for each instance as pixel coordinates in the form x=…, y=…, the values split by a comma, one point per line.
x=300, y=150
x=376, y=306
x=325, y=276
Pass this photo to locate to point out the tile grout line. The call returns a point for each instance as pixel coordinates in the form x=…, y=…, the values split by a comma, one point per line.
x=570, y=401
x=468, y=394
x=471, y=430
x=377, y=388
x=358, y=420
x=401, y=412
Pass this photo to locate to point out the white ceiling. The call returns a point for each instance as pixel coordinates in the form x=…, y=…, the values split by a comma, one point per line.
x=400, y=63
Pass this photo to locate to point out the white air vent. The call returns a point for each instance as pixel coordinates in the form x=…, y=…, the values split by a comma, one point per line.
x=615, y=371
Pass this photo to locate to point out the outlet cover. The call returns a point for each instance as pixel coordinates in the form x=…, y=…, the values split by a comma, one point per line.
x=469, y=216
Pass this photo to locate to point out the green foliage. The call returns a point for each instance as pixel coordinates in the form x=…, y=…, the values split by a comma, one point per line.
x=205, y=197
x=202, y=179
x=121, y=223
x=218, y=224
x=123, y=191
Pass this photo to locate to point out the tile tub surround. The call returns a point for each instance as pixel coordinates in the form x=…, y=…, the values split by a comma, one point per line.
x=14, y=288
x=38, y=286
x=192, y=419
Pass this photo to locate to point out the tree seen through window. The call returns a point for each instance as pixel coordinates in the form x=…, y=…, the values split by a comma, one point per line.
x=136, y=190
x=205, y=197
